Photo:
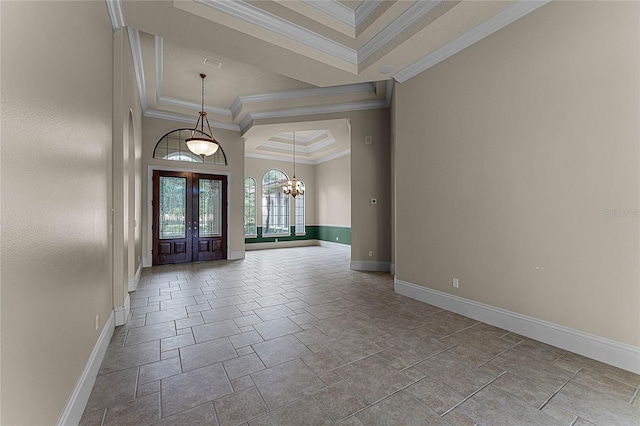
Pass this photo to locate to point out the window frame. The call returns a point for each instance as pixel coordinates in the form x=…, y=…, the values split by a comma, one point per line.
x=276, y=188
x=295, y=213
x=255, y=208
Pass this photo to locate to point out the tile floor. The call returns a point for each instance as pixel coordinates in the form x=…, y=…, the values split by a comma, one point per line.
x=293, y=337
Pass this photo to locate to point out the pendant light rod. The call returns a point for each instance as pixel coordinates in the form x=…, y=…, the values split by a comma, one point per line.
x=204, y=144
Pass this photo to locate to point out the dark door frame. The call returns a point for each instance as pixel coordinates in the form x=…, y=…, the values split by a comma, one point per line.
x=184, y=167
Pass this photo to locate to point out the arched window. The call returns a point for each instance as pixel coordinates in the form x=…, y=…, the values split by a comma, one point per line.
x=172, y=146
x=275, y=205
x=299, y=212
x=250, y=207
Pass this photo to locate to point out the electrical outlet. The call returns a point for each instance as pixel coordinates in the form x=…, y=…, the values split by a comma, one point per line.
x=455, y=283
x=336, y=238
x=367, y=140
x=97, y=321
x=370, y=253
x=276, y=240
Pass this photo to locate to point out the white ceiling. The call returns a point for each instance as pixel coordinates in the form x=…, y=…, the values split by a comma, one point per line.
x=288, y=58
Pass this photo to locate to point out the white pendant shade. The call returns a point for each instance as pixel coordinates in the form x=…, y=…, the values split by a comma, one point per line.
x=202, y=147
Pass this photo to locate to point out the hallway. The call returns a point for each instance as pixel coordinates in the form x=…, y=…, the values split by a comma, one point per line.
x=294, y=337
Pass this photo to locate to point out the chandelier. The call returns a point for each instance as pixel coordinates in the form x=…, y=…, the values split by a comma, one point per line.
x=294, y=187
x=199, y=143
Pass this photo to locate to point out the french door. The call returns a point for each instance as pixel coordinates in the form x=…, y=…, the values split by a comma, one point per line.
x=189, y=217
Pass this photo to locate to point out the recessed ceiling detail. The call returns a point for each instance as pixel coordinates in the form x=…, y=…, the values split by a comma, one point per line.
x=292, y=58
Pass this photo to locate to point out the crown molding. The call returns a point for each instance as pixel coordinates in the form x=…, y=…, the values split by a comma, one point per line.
x=237, y=105
x=364, y=9
x=335, y=9
x=482, y=30
x=310, y=138
x=305, y=149
x=115, y=14
x=158, y=43
x=191, y=105
x=253, y=15
x=416, y=11
x=136, y=52
x=322, y=109
x=300, y=161
x=152, y=113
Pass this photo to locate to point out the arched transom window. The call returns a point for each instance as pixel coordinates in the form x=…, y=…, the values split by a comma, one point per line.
x=172, y=146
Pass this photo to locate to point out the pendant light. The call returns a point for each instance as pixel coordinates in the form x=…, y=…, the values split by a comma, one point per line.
x=199, y=143
x=293, y=186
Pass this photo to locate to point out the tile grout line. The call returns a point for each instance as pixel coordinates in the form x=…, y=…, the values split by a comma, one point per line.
x=559, y=389
x=573, y=422
x=472, y=394
x=635, y=395
x=496, y=356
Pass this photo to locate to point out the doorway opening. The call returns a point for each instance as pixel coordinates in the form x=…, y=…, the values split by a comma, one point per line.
x=189, y=217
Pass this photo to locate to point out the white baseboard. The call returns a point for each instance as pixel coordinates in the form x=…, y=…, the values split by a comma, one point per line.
x=133, y=282
x=335, y=246
x=236, y=254
x=370, y=265
x=609, y=351
x=392, y=269
x=121, y=313
x=81, y=392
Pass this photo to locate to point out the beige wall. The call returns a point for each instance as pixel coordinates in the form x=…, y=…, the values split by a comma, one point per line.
x=334, y=192
x=256, y=168
x=57, y=82
x=508, y=156
x=370, y=178
x=233, y=146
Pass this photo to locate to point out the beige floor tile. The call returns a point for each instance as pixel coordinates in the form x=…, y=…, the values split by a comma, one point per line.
x=276, y=328
x=243, y=366
x=280, y=350
x=239, y=407
x=286, y=383
x=302, y=412
x=399, y=409
x=207, y=353
x=193, y=388
x=137, y=412
x=339, y=400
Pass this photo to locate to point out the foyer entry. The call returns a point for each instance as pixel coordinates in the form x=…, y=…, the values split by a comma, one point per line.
x=189, y=217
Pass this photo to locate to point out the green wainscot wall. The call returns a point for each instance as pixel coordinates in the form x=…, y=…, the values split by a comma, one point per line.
x=334, y=234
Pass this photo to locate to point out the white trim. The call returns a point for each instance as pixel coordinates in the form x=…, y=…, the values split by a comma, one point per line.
x=602, y=349
x=364, y=9
x=192, y=105
x=236, y=254
x=78, y=400
x=133, y=282
x=240, y=101
x=334, y=9
x=159, y=47
x=392, y=269
x=136, y=52
x=301, y=161
x=389, y=92
x=370, y=265
x=335, y=246
x=121, y=313
x=286, y=147
x=484, y=29
x=311, y=110
x=416, y=11
x=188, y=119
x=115, y=14
x=255, y=16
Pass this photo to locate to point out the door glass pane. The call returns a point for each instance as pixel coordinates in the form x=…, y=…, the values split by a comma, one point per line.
x=173, y=203
x=210, y=208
